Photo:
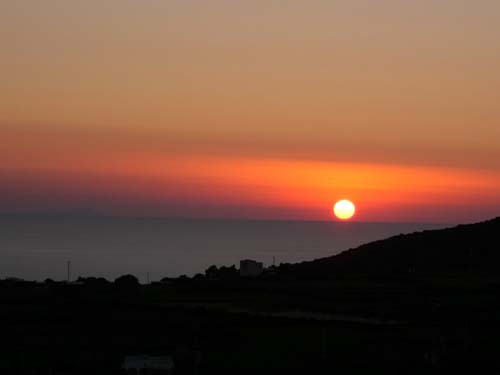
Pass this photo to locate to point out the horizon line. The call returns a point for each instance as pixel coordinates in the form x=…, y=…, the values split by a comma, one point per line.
x=216, y=218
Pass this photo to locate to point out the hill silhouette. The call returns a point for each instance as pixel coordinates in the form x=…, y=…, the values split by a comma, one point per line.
x=409, y=304
x=464, y=250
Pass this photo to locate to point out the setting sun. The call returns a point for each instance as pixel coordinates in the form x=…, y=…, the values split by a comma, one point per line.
x=344, y=209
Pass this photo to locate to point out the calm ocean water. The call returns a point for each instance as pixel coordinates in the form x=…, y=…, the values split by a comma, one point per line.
x=35, y=248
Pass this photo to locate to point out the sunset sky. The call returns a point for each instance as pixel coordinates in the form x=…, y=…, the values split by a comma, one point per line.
x=251, y=109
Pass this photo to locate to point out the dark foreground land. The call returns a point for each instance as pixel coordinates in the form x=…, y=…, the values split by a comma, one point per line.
x=421, y=303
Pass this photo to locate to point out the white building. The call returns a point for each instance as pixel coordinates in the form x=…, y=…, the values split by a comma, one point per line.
x=251, y=268
x=142, y=362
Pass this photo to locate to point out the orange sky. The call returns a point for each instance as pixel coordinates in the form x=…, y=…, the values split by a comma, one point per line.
x=262, y=109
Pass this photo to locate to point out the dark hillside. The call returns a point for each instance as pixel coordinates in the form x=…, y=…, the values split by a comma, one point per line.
x=472, y=249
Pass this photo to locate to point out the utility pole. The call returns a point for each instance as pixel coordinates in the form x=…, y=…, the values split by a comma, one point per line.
x=69, y=270
x=147, y=278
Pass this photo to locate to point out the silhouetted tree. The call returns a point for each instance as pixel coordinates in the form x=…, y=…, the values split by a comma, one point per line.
x=199, y=277
x=95, y=282
x=223, y=273
x=212, y=272
x=228, y=273
x=167, y=280
x=127, y=281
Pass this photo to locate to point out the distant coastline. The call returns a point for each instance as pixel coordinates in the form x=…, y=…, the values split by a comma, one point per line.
x=37, y=247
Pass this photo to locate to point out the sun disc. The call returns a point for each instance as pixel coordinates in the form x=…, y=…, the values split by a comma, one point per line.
x=344, y=209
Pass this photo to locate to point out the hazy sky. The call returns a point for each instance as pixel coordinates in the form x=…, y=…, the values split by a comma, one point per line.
x=251, y=108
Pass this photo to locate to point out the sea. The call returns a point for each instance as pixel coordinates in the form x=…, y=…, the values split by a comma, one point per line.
x=37, y=247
